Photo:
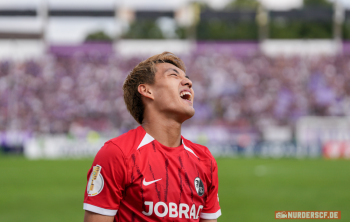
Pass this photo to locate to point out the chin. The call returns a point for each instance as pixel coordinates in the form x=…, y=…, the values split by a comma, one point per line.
x=191, y=113
x=188, y=114
x=179, y=114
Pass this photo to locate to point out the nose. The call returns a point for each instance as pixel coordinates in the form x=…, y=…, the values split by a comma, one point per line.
x=187, y=82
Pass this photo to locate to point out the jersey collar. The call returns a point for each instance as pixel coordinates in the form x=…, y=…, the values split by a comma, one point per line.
x=148, y=139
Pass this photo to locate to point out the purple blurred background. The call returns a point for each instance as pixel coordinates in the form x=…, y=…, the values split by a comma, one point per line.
x=235, y=86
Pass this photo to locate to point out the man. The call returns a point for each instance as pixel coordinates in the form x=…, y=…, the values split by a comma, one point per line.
x=152, y=173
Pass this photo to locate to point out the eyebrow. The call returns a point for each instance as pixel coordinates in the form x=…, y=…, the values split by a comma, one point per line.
x=176, y=72
x=171, y=69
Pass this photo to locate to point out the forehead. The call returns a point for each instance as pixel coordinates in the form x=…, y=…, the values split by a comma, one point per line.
x=163, y=68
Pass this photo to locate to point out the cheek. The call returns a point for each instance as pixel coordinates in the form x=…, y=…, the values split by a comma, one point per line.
x=165, y=97
x=167, y=93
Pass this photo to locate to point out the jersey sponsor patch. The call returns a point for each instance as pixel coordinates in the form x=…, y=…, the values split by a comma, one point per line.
x=174, y=210
x=198, y=184
x=96, y=182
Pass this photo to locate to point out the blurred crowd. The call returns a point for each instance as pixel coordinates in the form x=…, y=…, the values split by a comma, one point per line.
x=74, y=94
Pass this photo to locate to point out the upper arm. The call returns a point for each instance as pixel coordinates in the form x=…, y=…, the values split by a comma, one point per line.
x=211, y=210
x=106, y=181
x=94, y=217
x=206, y=220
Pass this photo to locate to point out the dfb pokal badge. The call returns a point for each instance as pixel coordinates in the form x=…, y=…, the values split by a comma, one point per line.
x=95, y=184
x=198, y=184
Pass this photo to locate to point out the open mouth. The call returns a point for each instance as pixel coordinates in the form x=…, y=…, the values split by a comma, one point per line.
x=186, y=95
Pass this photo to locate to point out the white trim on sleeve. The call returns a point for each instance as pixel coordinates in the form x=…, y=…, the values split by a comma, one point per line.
x=99, y=210
x=211, y=215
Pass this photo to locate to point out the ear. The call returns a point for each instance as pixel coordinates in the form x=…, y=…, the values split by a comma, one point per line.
x=146, y=91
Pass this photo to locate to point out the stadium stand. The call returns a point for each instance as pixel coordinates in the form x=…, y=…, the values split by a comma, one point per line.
x=54, y=93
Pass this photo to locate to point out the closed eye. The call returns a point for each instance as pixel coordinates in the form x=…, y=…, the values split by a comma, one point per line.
x=173, y=74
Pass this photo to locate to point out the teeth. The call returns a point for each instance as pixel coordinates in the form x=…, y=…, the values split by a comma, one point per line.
x=185, y=93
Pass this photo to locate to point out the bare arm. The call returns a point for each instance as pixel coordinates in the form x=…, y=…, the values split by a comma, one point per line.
x=94, y=217
x=211, y=220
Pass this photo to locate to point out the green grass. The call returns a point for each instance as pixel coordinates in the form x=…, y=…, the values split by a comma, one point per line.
x=42, y=190
x=253, y=189
x=250, y=189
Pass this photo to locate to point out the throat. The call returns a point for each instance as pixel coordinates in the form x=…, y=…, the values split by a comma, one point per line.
x=167, y=134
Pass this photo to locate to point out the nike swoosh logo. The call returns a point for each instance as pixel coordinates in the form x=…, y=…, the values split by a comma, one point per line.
x=150, y=182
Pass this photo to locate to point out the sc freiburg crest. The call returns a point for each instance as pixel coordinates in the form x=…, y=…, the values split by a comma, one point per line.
x=198, y=184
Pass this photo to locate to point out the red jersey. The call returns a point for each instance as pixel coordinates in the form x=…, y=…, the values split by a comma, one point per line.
x=135, y=178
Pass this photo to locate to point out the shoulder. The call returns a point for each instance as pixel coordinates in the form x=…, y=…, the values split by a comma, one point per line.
x=126, y=144
x=201, y=151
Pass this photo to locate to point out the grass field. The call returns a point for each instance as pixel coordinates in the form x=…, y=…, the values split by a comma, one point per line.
x=250, y=189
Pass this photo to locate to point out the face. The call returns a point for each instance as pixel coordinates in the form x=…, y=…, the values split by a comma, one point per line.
x=173, y=93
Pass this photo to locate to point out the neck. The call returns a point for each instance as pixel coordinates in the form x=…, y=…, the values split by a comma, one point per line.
x=165, y=131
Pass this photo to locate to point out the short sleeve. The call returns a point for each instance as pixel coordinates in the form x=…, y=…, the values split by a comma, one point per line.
x=106, y=181
x=212, y=209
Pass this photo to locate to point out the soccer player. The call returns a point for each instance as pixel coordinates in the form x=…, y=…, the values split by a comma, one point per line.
x=152, y=173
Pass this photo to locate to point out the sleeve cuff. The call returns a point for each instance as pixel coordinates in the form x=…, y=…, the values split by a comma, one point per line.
x=99, y=210
x=211, y=215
